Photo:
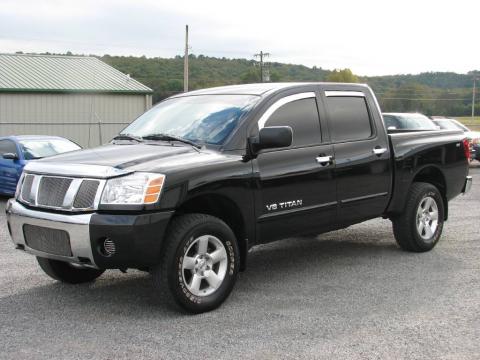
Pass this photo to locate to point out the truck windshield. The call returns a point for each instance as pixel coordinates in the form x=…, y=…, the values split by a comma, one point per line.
x=207, y=119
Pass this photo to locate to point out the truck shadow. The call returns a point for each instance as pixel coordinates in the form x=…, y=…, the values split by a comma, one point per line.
x=293, y=273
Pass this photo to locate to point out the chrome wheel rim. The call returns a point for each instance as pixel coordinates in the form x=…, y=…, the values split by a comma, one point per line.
x=427, y=218
x=204, y=265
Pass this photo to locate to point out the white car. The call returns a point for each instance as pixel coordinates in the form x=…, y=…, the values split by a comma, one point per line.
x=472, y=136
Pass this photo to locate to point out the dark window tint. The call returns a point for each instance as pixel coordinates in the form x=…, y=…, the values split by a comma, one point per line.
x=349, y=118
x=7, y=146
x=302, y=117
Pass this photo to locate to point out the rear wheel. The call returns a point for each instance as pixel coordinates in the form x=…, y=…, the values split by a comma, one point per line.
x=68, y=273
x=199, y=264
x=420, y=225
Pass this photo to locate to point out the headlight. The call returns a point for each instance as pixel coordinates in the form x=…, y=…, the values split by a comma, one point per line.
x=135, y=189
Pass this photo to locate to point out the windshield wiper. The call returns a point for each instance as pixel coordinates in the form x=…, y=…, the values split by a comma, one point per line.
x=128, y=137
x=168, y=137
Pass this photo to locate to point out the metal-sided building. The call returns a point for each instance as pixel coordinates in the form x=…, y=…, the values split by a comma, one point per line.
x=77, y=97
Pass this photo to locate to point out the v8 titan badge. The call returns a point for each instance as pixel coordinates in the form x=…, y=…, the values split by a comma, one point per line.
x=284, y=205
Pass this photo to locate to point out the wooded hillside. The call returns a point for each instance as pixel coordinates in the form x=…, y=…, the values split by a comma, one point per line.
x=432, y=93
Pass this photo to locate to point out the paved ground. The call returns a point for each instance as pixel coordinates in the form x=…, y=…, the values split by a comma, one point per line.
x=348, y=294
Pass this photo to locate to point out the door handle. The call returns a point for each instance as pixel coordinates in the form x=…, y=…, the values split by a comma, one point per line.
x=379, y=151
x=324, y=160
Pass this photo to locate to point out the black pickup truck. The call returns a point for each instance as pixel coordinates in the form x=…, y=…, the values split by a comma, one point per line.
x=191, y=185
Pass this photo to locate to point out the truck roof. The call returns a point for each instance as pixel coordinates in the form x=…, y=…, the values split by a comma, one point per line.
x=260, y=88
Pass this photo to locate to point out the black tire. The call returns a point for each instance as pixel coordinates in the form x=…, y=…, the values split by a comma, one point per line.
x=64, y=272
x=182, y=236
x=405, y=226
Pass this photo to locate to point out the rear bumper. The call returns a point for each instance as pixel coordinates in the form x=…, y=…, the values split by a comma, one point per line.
x=137, y=238
x=468, y=185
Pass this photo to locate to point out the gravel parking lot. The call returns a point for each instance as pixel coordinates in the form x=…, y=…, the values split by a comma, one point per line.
x=346, y=294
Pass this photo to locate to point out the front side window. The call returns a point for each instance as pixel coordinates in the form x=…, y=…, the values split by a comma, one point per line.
x=302, y=117
x=349, y=118
x=37, y=149
x=203, y=119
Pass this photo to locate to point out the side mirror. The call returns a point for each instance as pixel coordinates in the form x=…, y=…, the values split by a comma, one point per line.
x=10, y=156
x=274, y=137
x=392, y=128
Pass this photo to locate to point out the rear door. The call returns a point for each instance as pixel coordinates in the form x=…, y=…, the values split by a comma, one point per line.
x=362, y=155
x=9, y=169
x=295, y=192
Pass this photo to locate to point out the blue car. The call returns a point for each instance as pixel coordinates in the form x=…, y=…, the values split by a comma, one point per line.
x=16, y=151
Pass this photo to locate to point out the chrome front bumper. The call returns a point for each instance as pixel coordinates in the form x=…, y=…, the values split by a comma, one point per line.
x=77, y=227
x=468, y=185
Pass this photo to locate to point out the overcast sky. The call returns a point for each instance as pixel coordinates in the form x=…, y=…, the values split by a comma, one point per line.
x=370, y=37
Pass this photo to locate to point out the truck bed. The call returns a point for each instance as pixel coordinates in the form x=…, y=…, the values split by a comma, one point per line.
x=419, y=155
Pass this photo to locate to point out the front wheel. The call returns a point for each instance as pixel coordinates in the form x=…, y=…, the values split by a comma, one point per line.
x=68, y=273
x=199, y=264
x=420, y=226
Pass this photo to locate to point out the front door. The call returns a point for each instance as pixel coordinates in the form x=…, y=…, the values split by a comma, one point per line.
x=295, y=186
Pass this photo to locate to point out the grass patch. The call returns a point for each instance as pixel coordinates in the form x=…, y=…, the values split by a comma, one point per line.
x=467, y=120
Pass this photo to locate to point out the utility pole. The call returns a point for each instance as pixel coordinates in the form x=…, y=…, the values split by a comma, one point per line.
x=473, y=97
x=185, y=62
x=264, y=73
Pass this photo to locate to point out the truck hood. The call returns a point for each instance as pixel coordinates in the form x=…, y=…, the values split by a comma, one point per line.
x=113, y=160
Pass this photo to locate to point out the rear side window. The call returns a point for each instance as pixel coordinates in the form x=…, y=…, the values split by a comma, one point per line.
x=7, y=146
x=302, y=117
x=349, y=118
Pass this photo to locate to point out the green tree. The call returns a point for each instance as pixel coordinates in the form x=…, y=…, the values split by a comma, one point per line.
x=251, y=76
x=344, y=76
x=275, y=76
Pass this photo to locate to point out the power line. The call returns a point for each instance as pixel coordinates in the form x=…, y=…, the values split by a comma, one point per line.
x=463, y=91
x=421, y=99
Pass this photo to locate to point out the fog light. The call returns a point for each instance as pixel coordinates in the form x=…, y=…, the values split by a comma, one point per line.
x=108, y=247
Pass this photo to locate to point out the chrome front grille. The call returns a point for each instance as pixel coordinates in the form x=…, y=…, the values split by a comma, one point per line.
x=85, y=197
x=52, y=241
x=61, y=193
x=52, y=191
x=26, y=193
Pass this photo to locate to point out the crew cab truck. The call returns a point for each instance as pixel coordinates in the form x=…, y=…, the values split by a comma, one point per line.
x=191, y=185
